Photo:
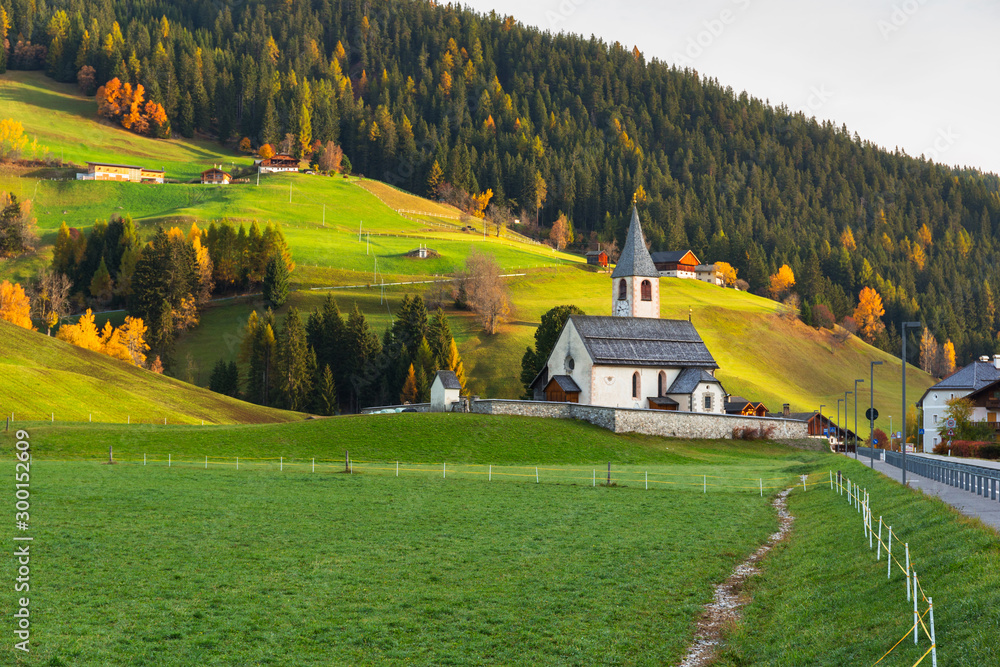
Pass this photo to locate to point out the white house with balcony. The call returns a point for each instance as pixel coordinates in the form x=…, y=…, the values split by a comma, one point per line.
x=968, y=382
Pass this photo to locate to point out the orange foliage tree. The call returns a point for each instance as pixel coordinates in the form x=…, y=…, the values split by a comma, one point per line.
x=869, y=314
x=782, y=282
x=727, y=271
x=15, y=306
x=266, y=151
x=126, y=343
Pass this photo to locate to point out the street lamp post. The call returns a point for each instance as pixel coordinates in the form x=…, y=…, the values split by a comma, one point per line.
x=846, y=393
x=905, y=326
x=821, y=406
x=871, y=408
x=839, y=401
x=856, y=417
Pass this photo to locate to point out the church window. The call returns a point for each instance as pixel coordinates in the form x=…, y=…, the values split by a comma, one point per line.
x=661, y=384
x=570, y=364
x=708, y=401
x=647, y=290
x=635, y=384
x=622, y=290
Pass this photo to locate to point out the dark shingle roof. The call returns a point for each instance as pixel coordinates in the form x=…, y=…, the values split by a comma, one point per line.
x=449, y=380
x=634, y=259
x=595, y=253
x=667, y=256
x=688, y=379
x=663, y=400
x=642, y=341
x=975, y=376
x=566, y=383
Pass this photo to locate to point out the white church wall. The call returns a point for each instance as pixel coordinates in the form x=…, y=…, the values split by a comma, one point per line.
x=570, y=346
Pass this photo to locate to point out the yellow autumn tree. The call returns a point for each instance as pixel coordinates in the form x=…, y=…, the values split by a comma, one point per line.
x=453, y=362
x=133, y=338
x=480, y=201
x=728, y=273
x=782, y=282
x=868, y=314
x=15, y=306
x=847, y=240
x=924, y=236
x=947, y=358
x=409, y=394
x=82, y=334
x=111, y=343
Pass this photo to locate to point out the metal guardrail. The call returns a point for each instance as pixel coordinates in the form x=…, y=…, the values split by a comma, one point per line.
x=982, y=481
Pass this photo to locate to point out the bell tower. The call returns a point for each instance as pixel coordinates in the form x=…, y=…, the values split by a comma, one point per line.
x=635, y=283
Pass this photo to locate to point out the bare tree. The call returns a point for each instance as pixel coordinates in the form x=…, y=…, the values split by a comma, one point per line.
x=50, y=292
x=485, y=291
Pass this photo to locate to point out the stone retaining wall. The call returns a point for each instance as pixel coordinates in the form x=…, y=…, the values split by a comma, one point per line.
x=650, y=422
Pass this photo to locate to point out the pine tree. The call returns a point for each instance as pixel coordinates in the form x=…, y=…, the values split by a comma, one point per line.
x=326, y=394
x=275, y=285
x=295, y=381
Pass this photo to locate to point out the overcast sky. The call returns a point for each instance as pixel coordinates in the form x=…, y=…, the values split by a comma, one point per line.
x=917, y=74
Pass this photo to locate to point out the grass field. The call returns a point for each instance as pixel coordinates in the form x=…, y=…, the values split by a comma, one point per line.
x=296, y=568
x=823, y=599
x=44, y=378
x=261, y=566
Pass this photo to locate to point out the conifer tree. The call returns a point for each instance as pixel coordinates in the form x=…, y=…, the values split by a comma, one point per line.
x=326, y=393
x=275, y=285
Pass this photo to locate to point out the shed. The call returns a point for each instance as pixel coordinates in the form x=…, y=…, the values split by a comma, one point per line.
x=444, y=391
x=597, y=257
x=562, y=389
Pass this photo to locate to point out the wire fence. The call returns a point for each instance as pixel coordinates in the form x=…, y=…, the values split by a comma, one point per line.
x=647, y=478
x=860, y=500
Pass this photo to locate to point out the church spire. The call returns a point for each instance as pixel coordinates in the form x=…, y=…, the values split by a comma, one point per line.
x=634, y=259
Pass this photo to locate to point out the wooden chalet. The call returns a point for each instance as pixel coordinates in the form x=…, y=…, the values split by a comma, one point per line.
x=986, y=405
x=737, y=405
x=597, y=258
x=278, y=163
x=130, y=173
x=215, y=176
x=676, y=264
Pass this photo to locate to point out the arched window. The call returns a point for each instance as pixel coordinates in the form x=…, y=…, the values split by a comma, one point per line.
x=635, y=384
x=647, y=290
x=661, y=384
x=622, y=290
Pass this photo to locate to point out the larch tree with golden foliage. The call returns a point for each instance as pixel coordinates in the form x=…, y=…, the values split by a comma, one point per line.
x=82, y=334
x=728, y=273
x=453, y=362
x=947, y=358
x=929, y=353
x=15, y=306
x=410, y=392
x=869, y=314
x=782, y=282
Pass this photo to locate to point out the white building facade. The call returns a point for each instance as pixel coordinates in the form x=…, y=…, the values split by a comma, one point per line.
x=968, y=380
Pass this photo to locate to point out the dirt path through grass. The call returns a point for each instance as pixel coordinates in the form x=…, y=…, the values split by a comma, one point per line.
x=724, y=609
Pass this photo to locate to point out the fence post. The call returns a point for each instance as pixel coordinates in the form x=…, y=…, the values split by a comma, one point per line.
x=930, y=603
x=888, y=555
x=595, y=476
x=704, y=483
x=647, y=480
x=237, y=463
x=831, y=480
x=314, y=466
x=536, y=474
x=347, y=460
x=491, y=473
x=609, y=473
x=916, y=614
x=206, y=463
x=878, y=555
x=168, y=460
x=397, y=468
x=281, y=463
x=444, y=470
x=761, y=480
x=907, y=546
x=144, y=458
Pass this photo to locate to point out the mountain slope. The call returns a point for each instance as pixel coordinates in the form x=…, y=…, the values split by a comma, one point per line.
x=44, y=378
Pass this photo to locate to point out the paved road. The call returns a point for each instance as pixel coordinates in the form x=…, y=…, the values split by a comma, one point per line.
x=965, y=502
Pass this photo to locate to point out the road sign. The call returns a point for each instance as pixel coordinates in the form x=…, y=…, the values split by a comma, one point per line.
x=899, y=434
x=871, y=414
x=826, y=431
x=951, y=432
x=921, y=431
x=874, y=442
x=951, y=423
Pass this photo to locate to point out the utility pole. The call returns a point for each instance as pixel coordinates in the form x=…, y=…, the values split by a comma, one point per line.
x=906, y=325
x=856, y=417
x=871, y=408
x=845, y=421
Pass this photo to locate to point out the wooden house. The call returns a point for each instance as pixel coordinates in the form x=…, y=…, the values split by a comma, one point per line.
x=737, y=405
x=215, y=176
x=597, y=258
x=129, y=173
x=676, y=264
x=278, y=163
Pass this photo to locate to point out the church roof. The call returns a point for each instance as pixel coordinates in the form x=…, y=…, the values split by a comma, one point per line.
x=634, y=259
x=642, y=341
x=688, y=379
x=566, y=383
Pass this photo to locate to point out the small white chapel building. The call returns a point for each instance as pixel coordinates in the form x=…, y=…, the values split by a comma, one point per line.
x=632, y=359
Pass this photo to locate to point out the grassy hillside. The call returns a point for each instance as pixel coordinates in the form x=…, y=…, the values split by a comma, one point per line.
x=66, y=122
x=43, y=377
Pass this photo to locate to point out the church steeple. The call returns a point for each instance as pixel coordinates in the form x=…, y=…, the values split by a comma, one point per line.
x=635, y=280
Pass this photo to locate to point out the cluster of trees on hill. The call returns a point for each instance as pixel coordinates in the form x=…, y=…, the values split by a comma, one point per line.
x=165, y=281
x=422, y=96
x=330, y=364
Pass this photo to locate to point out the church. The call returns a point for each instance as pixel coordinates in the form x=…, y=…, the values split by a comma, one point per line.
x=632, y=359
